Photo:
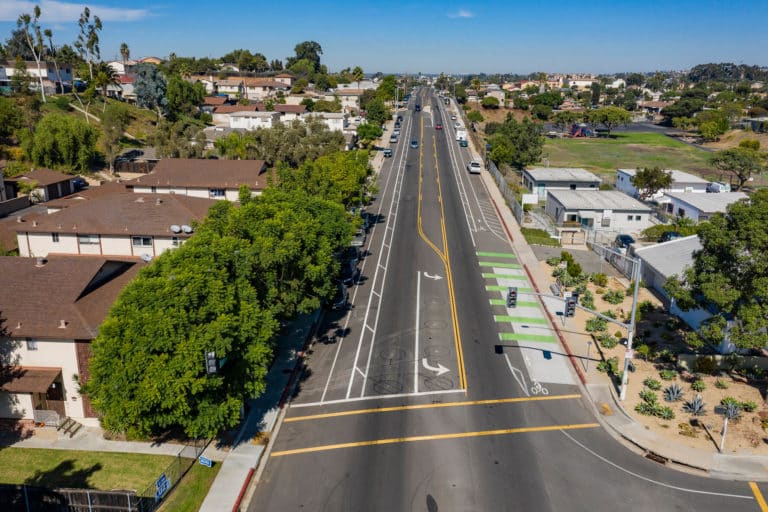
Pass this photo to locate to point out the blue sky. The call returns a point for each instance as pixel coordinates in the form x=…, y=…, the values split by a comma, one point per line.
x=431, y=35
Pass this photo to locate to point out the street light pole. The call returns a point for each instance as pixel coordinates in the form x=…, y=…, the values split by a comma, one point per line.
x=631, y=330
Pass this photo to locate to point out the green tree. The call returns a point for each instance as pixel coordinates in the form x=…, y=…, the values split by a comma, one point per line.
x=20, y=81
x=87, y=43
x=517, y=143
x=358, y=75
x=114, y=121
x=565, y=118
x=376, y=112
x=595, y=89
x=184, y=98
x=728, y=275
x=180, y=139
x=29, y=24
x=649, y=180
x=11, y=117
x=62, y=141
x=299, y=86
x=460, y=93
x=635, y=79
x=475, y=117
x=232, y=147
x=103, y=77
x=742, y=163
x=386, y=88
x=610, y=117
x=490, y=102
x=368, y=132
x=309, y=51
x=541, y=112
x=125, y=52
x=150, y=87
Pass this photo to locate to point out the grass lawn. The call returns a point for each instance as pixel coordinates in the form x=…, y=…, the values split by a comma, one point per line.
x=190, y=493
x=539, y=237
x=95, y=470
x=627, y=151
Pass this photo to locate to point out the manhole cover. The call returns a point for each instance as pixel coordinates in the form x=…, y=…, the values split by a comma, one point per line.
x=438, y=383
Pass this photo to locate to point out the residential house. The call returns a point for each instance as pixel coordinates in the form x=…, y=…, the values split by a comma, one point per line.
x=123, y=67
x=499, y=95
x=681, y=182
x=215, y=179
x=209, y=82
x=51, y=318
x=290, y=113
x=285, y=78
x=579, y=81
x=608, y=210
x=539, y=180
x=660, y=262
x=699, y=207
x=108, y=188
x=653, y=108
x=232, y=87
x=350, y=99
x=211, y=102
x=47, y=71
x=123, y=90
x=122, y=224
x=222, y=114
x=258, y=89
x=253, y=120
x=151, y=60
x=214, y=133
x=47, y=184
x=333, y=120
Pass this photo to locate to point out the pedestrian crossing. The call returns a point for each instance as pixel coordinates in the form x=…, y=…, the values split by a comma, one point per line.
x=525, y=326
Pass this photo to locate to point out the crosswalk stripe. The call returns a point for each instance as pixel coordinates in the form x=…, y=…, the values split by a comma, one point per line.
x=482, y=254
x=497, y=288
x=520, y=319
x=520, y=336
x=520, y=303
x=499, y=265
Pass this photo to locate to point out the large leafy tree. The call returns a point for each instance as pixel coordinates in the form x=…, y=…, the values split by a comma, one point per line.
x=150, y=87
x=29, y=24
x=87, y=43
x=650, y=180
x=565, y=118
x=309, y=51
x=741, y=162
x=183, y=97
x=610, y=117
x=376, y=112
x=368, y=132
x=61, y=141
x=517, y=143
x=11, y=117
x=114, y=121
x=729, y=275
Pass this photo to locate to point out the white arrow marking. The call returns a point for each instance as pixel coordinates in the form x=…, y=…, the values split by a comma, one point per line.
x=440, y=368
x=430, y=276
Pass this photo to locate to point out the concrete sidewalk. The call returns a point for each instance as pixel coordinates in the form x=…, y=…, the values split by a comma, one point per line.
x=601, y=391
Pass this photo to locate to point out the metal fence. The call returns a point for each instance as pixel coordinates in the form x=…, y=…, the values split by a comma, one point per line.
x=507, y=192
x=27, y=498
x=623, y=263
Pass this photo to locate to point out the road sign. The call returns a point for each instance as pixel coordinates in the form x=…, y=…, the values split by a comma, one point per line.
x=205, y=461
x=162, y=486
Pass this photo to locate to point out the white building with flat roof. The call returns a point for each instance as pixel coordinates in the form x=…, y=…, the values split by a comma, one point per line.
x=539, y=180
x=606, y=210
x=682, y=182
x=699, y=207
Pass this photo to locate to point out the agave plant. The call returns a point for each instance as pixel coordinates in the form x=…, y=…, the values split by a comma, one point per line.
x=695, y=406
x=732, y=411
x=648, y=396
x=665, y=413
x=673, y=393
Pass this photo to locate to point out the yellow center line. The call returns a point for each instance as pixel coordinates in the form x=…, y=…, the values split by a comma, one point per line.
x=758, y=496
x=418, y=209
x=430, y=406
x=434, y=437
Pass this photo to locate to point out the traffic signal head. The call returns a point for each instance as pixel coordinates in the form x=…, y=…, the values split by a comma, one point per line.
x=570, y=306
x=211, y=364
x=512, y=297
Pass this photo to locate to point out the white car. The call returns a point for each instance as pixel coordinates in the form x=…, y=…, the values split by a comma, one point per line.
x=475, y=167
x=453, y=117
x=457, y=125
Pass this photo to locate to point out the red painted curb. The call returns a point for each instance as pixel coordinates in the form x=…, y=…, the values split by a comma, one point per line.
x=567, y=348
x=240, y=496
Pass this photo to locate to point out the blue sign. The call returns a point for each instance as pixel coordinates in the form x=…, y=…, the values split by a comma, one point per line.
x=205, y=461
x=162, y=487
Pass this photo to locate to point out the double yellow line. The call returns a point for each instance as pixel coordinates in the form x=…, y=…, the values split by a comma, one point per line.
x=443, y=255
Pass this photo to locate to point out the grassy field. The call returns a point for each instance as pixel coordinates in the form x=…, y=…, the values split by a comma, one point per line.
x=94, y=470
x=627, y=150
x=190, y=493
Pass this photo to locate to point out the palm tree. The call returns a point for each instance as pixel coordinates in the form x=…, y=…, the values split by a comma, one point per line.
x=125, y=52
x=104, y=76
x=358, y=75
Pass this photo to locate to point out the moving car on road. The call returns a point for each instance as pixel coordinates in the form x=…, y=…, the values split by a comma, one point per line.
x=414, y=143
x=475, y=167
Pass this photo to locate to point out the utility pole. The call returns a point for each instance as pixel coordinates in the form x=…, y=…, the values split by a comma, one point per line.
x=630, y=331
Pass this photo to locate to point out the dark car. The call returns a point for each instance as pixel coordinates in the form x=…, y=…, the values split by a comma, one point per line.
x=387, y=152
x=623, y=241
x=669, y=235
x=414, y=143
x=399, y=118
x=79, y=183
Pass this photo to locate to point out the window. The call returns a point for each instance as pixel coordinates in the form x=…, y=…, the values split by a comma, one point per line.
x=629, y=217
x=88, y=239
x=175, y=241
x=31, y=344
x=55, y=238
x=216, y=192
x=573, y=186
x=154, y=190
x=637, y=217
x=141, y=241
x=606, y=222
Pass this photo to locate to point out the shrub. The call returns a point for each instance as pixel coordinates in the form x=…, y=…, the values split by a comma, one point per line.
x=698, y=385
x=587, y=300
x=599, y=291
x=609, y=314
x=617, y=334
x=581, y=289
x=614, y=297
x=566, y=257
x=574, y=269
x=607, y=341
x=665, y=413
x=695, y=406
x=652, y=383
x=646, y=306
x=668, y=374
x=646, y=408
x=673, y=393
x=599, y=279
x=553, y=261
x=611, y=365
x=749, y=406
x=643, y=351
x=596, y=324
x=705, y=365
x=721, y=384
x=648, y=396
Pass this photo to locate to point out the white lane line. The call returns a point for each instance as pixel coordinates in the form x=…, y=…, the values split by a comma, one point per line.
x=378, y=397
x=471, y=224
x=416, y=335
x=389, y=231
x=358, y=370
x=377, y=294
x=518, y=375
x=656, y=482
x=369, y=328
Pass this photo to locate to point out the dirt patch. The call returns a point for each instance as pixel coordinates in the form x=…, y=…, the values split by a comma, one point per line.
x=732, y=139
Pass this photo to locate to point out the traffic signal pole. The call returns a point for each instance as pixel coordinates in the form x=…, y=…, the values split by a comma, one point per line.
x=630, y=332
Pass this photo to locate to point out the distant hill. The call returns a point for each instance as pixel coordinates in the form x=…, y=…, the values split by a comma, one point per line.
x=727, y=72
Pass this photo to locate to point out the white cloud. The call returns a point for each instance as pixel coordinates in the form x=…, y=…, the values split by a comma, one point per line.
x=461, y=13
x=54, y=11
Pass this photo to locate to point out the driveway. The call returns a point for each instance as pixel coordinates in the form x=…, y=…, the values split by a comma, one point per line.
x=590, y=262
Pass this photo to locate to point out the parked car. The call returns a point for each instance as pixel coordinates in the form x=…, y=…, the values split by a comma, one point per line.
x=396, y=133
x=79, y=183
x=623, y=241
x=339, y=300
x=475, y=167
x=414, y=143
x=717, y=187
x=387, y=152
x=453, y=117
x=349, y=272
x=359, y=239
x=669, y=235
x=393, y=138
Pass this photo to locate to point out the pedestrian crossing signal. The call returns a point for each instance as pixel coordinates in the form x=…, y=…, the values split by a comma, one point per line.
x=570, y=304
x=512, y=297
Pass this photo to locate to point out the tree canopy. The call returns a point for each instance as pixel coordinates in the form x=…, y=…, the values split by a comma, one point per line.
x=650, y=180
x=150, y=87
x=610, y=117
x=741, y=162
x=729, y=277
x=517, y=143
x=62, y=141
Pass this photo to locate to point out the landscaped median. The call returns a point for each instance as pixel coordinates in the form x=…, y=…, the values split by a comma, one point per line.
x=56, y=469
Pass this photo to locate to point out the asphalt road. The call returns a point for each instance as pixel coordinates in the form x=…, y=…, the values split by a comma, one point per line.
x=436, y=397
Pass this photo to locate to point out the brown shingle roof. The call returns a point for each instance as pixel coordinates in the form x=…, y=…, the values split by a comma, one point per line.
x=85, y=288
x=109, y=188
x=43, y=177
x=229, y=109
x=200, y=173
x=293, y=109
x=263, y=82
x=29, y=379
x=122, y=214
x=215, y=100
x=349, y=92
x=284, y=75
